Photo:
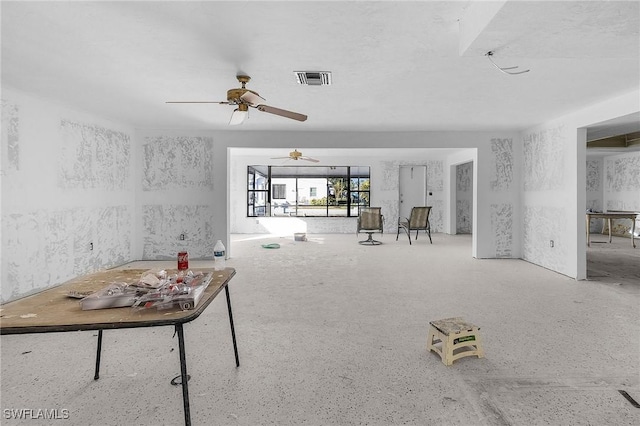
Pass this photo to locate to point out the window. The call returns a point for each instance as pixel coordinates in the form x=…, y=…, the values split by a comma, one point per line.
x=279, y=191
x=308, y=190
x=257, y=191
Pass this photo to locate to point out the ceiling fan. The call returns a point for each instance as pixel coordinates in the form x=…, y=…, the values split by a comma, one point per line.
x=244, y=98
x=296, y=155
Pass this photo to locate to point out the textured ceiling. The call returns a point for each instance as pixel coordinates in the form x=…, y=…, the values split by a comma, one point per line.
x=396, y=65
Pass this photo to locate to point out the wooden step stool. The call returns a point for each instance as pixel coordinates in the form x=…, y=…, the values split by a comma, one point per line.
x=454, y=334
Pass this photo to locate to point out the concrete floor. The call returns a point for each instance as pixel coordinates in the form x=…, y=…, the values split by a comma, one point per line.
x=334, y=333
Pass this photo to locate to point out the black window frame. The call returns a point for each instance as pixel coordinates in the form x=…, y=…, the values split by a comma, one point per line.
x=355, y=190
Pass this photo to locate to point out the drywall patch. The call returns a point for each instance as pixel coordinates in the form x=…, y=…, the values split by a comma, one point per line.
x=542, y=224
x=93, y=157
x=46, y=248
x=502, y=229
x=162, y=224
x=109, y=229
x=544, y=160
x=390, y=175
x=622, y=174
x=464, y=177
x=594, y=175
x=10, y=136
x=177, y=163
x=436, y=217
x=435, y=175
x=502, y=164
x=463, y=217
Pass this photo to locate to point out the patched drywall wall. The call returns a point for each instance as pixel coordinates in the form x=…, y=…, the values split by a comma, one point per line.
x=464, y=198
x=554, y=195
x=502, y=221
x=10, y=136
x=545, y=212
x=502, y=184
x=595, y=201
x=177, y=163
x=502, y=164
x=93, y=157
x=176, y=197
x=67, y=194
x=544, y=160
x=543, y=224
x=622, y=182
x=162, y=226
x=622, y=189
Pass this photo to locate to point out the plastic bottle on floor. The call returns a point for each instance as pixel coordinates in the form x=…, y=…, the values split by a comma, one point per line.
x=219, y=255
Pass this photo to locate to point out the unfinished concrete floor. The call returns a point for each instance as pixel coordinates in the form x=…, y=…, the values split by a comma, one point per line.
x=334, y=333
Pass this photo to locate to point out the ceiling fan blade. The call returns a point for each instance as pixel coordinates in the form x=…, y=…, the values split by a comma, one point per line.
x=282, y=112
x=310, y=159
x=252, y=98
x=280, y=158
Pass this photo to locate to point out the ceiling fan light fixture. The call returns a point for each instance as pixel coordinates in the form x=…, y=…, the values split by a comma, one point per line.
x=239, y=115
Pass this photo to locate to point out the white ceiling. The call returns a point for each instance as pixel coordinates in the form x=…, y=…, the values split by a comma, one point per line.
x=408, y=65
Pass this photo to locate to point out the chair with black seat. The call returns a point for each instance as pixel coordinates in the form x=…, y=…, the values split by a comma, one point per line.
x=417, y=221
x=370, y=220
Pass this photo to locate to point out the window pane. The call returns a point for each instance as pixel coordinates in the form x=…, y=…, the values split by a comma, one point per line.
x=316, y=203
x=279, y=191
x=257, y=201
x=250, y=179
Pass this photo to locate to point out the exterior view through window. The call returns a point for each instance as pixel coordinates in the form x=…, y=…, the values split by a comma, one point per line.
x=307, y=190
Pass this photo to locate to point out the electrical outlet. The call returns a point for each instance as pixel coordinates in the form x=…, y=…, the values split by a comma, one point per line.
x=90, y=246
x=551, y=243
x=181, y=237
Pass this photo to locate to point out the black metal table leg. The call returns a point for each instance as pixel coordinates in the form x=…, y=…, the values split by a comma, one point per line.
x=233, y=331
x=96, y=375
x=183, y=374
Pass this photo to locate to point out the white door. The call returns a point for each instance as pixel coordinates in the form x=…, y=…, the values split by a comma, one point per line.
x=413, y=188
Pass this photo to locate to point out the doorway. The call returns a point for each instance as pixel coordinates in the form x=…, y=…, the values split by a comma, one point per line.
x=413, y=188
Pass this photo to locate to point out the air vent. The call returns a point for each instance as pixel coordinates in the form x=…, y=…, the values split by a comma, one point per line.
x=313, y=78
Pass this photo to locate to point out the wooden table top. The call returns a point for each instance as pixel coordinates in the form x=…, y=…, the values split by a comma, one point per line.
x=53, y=311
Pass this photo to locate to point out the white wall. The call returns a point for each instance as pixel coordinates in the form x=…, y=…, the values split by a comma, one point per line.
x=67, y=181
x=176, y=194
x=554, y=185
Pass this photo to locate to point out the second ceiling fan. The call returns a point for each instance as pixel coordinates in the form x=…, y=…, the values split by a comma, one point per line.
x=244, y=98
x=296, y=155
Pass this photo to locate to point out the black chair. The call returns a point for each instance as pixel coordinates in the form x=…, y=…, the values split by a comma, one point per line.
x=418, y=221
x=370, y=221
